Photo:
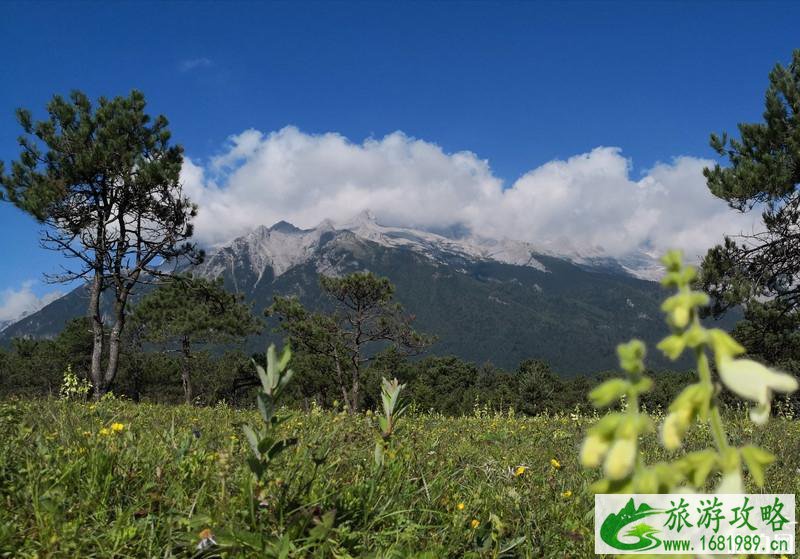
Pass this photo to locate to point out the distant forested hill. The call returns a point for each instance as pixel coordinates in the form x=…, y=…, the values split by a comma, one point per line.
x=485, y=302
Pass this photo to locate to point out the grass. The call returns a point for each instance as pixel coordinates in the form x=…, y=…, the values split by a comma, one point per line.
x=73, y=486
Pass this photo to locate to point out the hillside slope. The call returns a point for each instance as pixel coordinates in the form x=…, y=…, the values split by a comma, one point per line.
x=485, y=300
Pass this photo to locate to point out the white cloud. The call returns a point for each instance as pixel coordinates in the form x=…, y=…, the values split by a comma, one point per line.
x=589, y=201
x=16, y=303
x=194, y=63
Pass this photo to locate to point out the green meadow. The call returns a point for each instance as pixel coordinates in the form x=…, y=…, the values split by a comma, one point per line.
x=116, y=479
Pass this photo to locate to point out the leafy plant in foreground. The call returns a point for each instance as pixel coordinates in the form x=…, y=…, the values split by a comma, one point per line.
x=264, y=442
x=613, y=441
x=303, y=528
x=393, y=408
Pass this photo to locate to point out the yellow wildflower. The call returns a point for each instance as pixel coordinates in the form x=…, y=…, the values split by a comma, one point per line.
x=105, y=431
x=460, y=506
x=206, y=539
x=566, y=494
x=555, y=463
x=475, y=523
x=205, y=534
x=520, y=470
x=117, y=427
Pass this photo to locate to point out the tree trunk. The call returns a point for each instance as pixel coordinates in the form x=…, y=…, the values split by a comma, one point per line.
x=97, y=330
x=341, y=381
x=115, y=341
x=137, y=366
x=354, y=389
x=354, y=395
x=186, y=369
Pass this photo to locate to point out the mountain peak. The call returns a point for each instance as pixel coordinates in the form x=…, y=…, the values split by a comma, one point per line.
x=285, y=227
x=325, y=226
x=366, y=215
x=364, y=218
x=284, y=245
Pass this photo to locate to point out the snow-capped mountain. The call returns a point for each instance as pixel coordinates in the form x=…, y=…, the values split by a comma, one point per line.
x=284, y=246
x=497, y=300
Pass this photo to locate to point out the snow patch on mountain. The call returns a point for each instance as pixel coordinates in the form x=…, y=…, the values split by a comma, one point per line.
x=435, y=246
x=284, y=246
x=280, y=248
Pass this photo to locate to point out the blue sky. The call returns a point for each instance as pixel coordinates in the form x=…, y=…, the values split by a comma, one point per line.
x=517, y=84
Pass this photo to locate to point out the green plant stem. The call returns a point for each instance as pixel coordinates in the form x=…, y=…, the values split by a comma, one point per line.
x=715, y=419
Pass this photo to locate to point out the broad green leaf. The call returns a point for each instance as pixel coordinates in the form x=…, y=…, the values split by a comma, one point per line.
x=252, y=439
x=280, y=446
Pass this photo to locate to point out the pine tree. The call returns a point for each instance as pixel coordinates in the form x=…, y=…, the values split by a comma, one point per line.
x=104, y=182
x=764, y=174
x=365, y=319
x=192, y=311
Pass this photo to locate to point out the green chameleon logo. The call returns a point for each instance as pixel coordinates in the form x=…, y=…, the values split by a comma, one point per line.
x=645, y=534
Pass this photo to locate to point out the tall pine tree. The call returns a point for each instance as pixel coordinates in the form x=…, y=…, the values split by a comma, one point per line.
x=104, y=181
x=188, y=311
x=761, y=270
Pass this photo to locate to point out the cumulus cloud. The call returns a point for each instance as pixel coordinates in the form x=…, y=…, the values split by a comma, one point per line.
x=586, y=202
x=16, y=303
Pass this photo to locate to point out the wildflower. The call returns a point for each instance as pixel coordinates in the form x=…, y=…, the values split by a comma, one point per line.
x=520, y=470
x=730, y=483
x=206, y=539
x=117, y=427
x=460, y=506
x=620, y=459
x=87, y=433
x=555, y=463
x=679, y=307
x=593, y=450
x=475, y=523
x=753, y=381
x=566, y=494
x=674, y=427
x=105, y=431
x=671, y=432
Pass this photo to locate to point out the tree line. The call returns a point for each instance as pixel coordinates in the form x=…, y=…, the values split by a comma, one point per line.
x=178, y=349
